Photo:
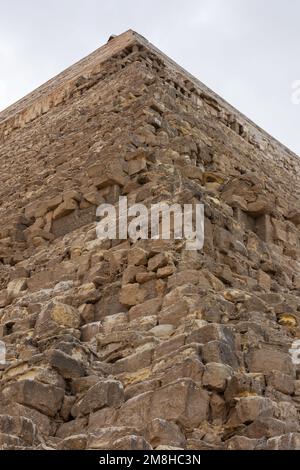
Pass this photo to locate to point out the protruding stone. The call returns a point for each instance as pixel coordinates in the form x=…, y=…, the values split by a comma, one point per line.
x=45, y=398
x=132, y=294
x=105, y=393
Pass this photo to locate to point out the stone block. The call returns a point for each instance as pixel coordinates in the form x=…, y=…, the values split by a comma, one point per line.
x=45, y=398
x=106, y=393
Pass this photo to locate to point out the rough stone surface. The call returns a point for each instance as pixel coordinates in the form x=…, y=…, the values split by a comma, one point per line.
x=143, y=344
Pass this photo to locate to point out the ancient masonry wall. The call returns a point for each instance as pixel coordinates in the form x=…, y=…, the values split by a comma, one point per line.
x=144, y=345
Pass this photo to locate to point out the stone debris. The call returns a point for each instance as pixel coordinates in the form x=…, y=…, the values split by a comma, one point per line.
x=122, y=344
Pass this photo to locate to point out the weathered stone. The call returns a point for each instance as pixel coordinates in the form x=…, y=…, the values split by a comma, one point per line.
x=160, y=432
x=248, y=409
x=266, y=360
x=193, y=172
x=219, y=351
x=190, y=405
x=4, y=298
x=104, y=393
x=158, y=261
x=289, y=441
x=132, y=294
x=282, y=382
x=83, y=384
x=19, y=426
x=136, y=165
x=162, y=331
x=56, y=315
x=65, y=411
x=184, y=277
x=87, y=293
x=174, y=314
x=143, y=277
x=87, y=313
x=243, y=443
x=134, y=362
x=64, y=208
x=213, y=332
x=103, y=418
x=130, y=273
x=71, y=428
x=218, y=409
x=77, y=442
x=137, y=257
x=15, y=287
x=147, y=344
x=297, y=388
x=45, y=398
x=41, y=421
x=243, y=385
x=107, y=178
x=265, y=428
x=88, y=332
x=147, y=308
x=7, y=441
x=131, y=443
x=68, y=367
x=216, y=375
x=264, y=280
x=113, y=322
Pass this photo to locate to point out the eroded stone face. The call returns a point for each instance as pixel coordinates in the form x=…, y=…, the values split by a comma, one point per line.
x=56, y=316
x=44, y=398
x=108, y=393
x=115, y=344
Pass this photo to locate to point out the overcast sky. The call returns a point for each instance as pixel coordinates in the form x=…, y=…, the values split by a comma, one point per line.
x=248, y=51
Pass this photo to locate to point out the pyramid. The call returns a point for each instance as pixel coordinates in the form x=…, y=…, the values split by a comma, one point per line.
x=144, y=344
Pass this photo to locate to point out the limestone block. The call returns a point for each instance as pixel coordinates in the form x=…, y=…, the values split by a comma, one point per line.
x=160, y=432
x=45, y=398
x=216, y=375
x=56, y=315
x=105, y=393
x=132, y=294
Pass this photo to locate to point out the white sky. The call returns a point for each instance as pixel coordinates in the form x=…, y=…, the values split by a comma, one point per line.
x=246, y=50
